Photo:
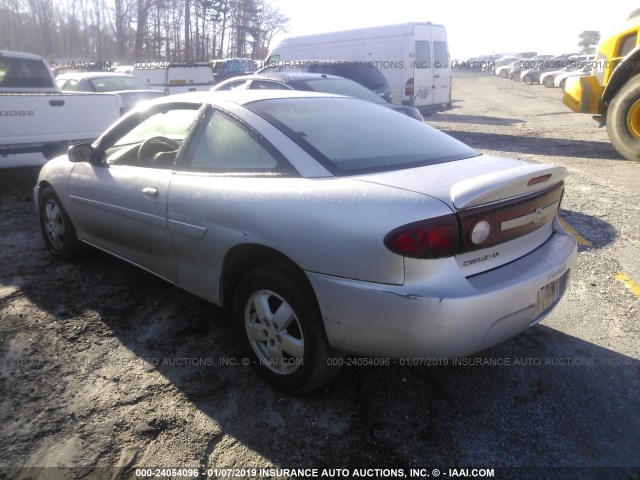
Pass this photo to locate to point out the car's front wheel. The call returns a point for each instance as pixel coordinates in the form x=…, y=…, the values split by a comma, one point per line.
x=548, y=82
x=282, y=329
x=56, y=227
x=528, y=79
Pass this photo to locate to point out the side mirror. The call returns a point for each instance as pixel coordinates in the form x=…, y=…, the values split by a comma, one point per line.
x=83, y=152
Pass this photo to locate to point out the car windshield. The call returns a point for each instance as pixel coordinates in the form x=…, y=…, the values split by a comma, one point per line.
x=342, y=86
x=349, y=136
x=113, y=84
x=172, y=124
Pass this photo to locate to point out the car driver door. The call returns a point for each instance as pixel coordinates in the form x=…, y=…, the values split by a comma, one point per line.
x=121, y=200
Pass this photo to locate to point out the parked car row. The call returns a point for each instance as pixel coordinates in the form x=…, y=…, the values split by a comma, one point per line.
x=548, y=70
x=169, y=76
x=171, y=79
x=75, y=88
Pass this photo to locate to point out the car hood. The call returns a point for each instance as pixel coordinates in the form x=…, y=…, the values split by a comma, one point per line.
x=471, y=182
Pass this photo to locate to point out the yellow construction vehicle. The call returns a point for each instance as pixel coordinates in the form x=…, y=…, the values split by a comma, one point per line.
x=612, y=92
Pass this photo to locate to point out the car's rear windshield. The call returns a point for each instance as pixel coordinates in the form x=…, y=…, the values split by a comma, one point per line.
x=24, y=73
x=350, y=136
x=342, y=86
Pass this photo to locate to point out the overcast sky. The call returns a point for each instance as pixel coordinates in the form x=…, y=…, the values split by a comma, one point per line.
x=474, y=27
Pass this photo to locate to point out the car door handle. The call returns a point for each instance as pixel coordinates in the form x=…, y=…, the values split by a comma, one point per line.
x=436, y=76
x=56, y=103
x=150, y=191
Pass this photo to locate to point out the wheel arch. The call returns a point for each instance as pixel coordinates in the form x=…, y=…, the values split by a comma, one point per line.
x=241, y=259
x=628, y=67
x=42, y=185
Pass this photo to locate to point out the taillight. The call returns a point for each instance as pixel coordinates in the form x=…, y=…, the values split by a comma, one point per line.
x=477, y=228
x=408, y=88
x=433, y=238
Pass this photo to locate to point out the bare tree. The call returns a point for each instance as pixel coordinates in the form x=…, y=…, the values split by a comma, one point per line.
x=129, y=30
x=42, y=13
x=268, y=23
x=143, y=9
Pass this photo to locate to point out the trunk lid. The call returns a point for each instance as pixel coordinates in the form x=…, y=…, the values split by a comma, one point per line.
x=471, y=182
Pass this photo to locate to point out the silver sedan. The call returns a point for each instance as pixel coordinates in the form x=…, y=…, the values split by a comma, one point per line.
x=328, y=224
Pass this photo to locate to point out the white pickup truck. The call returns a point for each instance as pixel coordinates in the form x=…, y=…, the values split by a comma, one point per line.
x=36, y=117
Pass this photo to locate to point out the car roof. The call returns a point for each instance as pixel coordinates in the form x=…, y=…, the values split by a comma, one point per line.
x=286, y=76
x=89, y=75
x=26, y=56
x=240, y=97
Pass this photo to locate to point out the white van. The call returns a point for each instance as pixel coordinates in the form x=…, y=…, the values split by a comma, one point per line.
x=414, y=58
x=176, y=76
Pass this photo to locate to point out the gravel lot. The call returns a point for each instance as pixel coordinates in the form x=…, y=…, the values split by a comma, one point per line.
x=106, y=369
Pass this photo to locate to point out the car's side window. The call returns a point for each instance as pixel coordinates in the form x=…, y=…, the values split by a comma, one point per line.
x=154, y=142
x=225, y=145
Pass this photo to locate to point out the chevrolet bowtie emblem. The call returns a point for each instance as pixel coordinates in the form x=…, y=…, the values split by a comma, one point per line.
x=533, y=217
x=538, y=215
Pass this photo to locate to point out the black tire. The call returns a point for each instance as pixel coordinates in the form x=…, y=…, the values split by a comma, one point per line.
x=528, y=79
x=563, y=83
x=549, y=81
x=307, y=361
x=623, y=110
x=504, y=74
x=58, y=232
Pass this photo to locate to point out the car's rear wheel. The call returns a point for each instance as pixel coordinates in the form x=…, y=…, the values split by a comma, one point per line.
x=623, y=120
x=283, y=331
x=56, y=227
x=528, y=79
x=548, y=82
x=504, y=74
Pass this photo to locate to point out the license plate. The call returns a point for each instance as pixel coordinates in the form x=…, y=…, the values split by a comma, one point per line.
x=548, y=296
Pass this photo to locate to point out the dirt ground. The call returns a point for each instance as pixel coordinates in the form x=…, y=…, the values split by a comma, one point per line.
x=106, y=370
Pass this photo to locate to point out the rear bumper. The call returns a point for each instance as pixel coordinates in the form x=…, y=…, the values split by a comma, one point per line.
x=436, y=318
x=583, y=95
